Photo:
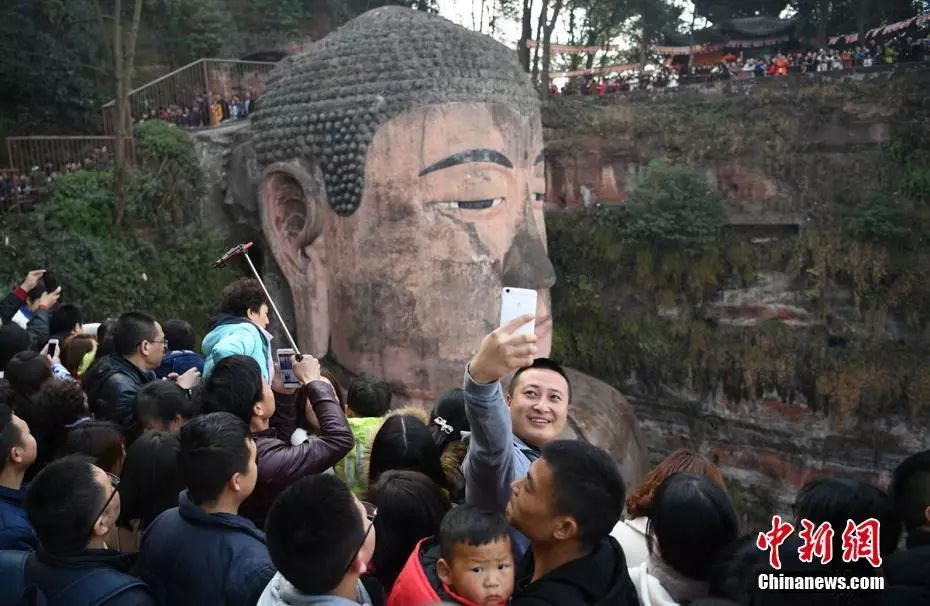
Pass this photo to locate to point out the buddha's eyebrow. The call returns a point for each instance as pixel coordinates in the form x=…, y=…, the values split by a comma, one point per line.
x=465, y=157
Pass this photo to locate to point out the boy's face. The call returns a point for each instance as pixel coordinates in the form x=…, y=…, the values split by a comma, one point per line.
x=482, y=574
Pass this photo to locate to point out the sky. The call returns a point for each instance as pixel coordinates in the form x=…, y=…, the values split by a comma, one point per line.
x=468, y=14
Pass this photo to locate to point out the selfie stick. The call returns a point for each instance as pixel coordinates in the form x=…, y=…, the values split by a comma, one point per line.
x=242, y=249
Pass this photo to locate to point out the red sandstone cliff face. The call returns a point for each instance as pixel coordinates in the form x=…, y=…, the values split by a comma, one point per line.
x=601, y=175
x=814, y=142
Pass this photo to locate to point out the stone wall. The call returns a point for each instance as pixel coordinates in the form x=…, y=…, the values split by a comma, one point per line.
x=764, y=369
x=738, y=131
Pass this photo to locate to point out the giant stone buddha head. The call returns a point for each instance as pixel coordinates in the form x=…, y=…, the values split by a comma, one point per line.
x=401, y=186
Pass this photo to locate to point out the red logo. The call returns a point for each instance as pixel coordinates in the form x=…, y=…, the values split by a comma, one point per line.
x=817, y=542
x=861, y=541
x=773, y=539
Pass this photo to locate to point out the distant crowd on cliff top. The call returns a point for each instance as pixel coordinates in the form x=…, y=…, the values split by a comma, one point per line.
x=209, y=109
x=901, y=49
x=142, y=465
x=21, y=186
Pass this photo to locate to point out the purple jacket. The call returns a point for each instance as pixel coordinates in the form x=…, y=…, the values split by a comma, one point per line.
x=280, y=463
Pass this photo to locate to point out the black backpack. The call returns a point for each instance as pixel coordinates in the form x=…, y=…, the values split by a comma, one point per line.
x=92, y=587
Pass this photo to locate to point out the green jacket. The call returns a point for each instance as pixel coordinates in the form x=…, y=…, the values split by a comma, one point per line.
x=353, y=469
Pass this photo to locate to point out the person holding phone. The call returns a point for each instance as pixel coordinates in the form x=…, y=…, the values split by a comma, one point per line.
x=29, y=305
x=508, y=430
x=236, y=385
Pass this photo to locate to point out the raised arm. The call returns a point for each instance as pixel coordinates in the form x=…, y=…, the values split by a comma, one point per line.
x=287, y=463
x=12, y=302
x=488, y=466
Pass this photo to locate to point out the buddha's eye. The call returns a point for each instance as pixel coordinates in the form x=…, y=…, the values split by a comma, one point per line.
x=539, y=197
x=471, y=204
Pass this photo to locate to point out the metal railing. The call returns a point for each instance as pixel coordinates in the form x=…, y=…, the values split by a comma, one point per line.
x=28, y=155
x=218, y=77
x=16, y=193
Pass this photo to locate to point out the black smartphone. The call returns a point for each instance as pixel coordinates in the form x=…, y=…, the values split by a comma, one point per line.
x=50, y=282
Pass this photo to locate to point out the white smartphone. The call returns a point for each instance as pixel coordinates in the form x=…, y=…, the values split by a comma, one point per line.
x=287, y=371
x=516, y=302
x=52, y=347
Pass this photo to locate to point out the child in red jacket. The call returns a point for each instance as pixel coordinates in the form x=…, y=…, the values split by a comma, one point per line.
x=471, y=563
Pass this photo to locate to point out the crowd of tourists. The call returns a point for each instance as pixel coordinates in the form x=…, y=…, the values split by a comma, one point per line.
x=209, y=109
x=663, y=77
x=904, y=48
x=18, y=186
x=141, y=465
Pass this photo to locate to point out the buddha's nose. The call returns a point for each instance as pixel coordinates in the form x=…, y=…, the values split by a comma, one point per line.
x=526, y=264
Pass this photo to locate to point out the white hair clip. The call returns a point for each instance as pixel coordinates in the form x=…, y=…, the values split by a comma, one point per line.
x=446, y=428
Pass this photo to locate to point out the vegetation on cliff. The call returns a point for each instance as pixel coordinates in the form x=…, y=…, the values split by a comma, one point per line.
x=148, y=266
x=645, y=312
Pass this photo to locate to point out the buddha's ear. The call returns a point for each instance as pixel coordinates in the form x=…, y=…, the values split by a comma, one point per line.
x=292, y=200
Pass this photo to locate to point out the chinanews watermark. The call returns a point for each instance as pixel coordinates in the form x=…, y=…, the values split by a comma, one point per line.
x=860, y=542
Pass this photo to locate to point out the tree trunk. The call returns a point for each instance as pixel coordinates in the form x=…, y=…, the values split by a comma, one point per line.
x=591, y=40
x=124, y=58
x=540, y=26
x=523, y=53
x=822, y=10
x=575, y=59
x=547, y=39
x=119, y=125
x=864, y=6
x=691, y=40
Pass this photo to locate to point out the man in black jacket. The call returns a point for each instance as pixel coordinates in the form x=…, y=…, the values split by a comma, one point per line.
x=907, y=573
x=113, y=383
x=566, y=506
x=72, y=504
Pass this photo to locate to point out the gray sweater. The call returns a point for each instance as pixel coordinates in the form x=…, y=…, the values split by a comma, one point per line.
x=496, y=457
x=280, y=592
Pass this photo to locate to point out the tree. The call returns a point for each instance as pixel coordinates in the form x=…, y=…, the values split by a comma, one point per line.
x=526, y=33
x=601, y=22
x=653, y=17
x=672, y=205
x=123, y=59
x=51, y=70
x=548, y=26
x=823, y=18
x=719, y=11
x=188, y=30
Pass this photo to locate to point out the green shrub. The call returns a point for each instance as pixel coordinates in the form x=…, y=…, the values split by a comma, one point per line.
x=82, y=202
x=673, y=206
x=158, y=141
x=172, y=177
x=882, y=219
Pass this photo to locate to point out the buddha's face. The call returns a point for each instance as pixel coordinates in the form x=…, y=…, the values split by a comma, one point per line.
x=407, y=286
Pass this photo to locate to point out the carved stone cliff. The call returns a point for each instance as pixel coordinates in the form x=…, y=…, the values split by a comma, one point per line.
x=793, y=347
